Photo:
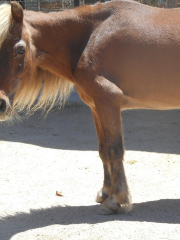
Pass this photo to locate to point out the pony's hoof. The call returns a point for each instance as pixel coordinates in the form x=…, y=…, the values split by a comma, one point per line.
x=105, y=211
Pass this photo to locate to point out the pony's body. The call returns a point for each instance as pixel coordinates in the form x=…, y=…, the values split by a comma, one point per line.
x=128, y=43
x=119, y=55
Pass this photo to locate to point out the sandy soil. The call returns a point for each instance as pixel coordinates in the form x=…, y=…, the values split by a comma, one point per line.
x=41, y=156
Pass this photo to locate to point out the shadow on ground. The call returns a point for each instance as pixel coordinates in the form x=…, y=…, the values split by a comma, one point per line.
x=72, y=128
x=160, y=211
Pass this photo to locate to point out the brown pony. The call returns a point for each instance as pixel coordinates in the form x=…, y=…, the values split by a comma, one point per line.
x=119, y=55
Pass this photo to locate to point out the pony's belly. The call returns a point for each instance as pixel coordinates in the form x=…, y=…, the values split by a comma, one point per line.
x=132, y=103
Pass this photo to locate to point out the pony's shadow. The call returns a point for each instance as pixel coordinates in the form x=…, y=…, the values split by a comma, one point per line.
x=72, y=128
x=160, y=211
x=152, y=131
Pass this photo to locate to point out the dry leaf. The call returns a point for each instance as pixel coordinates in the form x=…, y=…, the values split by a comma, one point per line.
x=59, y=194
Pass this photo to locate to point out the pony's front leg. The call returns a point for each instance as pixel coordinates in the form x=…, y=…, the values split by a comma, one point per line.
x=105, y=191
x=114, y=194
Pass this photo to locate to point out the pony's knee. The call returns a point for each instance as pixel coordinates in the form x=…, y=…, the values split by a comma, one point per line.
x=113, y=151
x=116, y=150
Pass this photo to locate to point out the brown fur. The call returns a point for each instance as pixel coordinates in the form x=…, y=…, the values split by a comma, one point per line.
x=119, y=55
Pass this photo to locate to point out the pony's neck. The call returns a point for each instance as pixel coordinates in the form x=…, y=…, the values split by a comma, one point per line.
x=60, y=38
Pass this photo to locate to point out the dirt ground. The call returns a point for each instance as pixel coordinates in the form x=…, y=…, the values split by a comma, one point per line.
x=41, y=156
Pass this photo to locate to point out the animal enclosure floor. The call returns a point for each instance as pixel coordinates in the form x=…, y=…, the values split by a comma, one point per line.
x=41, y=156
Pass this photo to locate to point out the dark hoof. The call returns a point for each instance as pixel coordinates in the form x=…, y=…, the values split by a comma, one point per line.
x=105, y=211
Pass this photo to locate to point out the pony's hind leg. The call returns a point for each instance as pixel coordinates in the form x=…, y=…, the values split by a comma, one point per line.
x=114, y=194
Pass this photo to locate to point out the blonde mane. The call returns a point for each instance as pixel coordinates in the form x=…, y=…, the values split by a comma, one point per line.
x=41, y=91
x=5, y=21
